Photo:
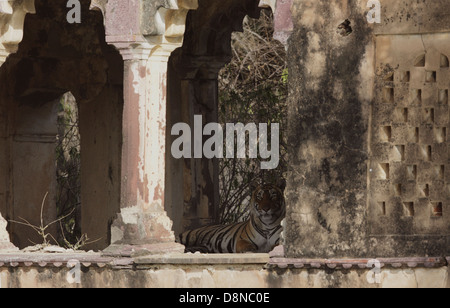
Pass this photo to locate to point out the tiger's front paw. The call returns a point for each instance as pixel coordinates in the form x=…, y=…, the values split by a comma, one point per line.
x=245, y=247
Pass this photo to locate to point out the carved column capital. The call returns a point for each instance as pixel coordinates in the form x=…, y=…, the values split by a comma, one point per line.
x=283, y=24
x=131, y=47
x=165, y=17
x=201, y=67
x=12, y=17
x=157, y=25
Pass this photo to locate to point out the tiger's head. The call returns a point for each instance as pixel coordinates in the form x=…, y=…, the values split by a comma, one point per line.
x=268, y=207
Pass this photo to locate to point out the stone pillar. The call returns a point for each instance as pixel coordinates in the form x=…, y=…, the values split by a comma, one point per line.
x=195, y=193
x=145, y=33
x=4, y=176
x=283, y=24
x=5, y=243
x=143, y=222
x=328, y=116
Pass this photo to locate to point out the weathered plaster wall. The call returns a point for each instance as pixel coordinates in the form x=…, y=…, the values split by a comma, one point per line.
x=77, y=269
x=328, y=122
x=332, y=80
x=216, y=276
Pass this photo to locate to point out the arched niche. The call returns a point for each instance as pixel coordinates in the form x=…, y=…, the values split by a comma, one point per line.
x=54, y=58
x=12, y=16
x=192, y=185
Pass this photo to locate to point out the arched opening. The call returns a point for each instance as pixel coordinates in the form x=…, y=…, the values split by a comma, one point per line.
x=252, y=89
x=55, y=58
x=68, y=171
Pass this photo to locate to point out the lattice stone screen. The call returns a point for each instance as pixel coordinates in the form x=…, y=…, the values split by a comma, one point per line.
x=409, y=168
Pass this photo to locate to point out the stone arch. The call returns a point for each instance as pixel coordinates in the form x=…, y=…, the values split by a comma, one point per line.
x=56, y=57
x=192, y=191
x=145, y=33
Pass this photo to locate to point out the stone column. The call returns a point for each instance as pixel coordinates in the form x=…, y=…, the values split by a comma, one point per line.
x=12, y=16
x=283, y=24
x=4, y=178
x=145, y=33
x=5, y=243
x=197, y=188
x=327, y=131
x=143, y=223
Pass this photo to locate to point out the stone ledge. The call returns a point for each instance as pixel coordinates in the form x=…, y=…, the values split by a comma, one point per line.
x=20, y=259
x=131, y=251
x=358, y=263
x=205, y=259
x=53, y=259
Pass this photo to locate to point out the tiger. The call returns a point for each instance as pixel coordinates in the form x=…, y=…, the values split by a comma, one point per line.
x=259, y=234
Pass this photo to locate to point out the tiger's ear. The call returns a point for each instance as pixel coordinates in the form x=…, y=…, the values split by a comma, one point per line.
x=253, y=186
x=281, y=184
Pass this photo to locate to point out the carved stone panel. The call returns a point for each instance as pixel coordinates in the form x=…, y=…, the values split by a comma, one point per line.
x=409, y=168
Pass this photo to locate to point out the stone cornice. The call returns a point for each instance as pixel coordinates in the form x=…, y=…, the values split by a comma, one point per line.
x=162, y=23
x=283, y=24
x=165, y=17
x=149, y=26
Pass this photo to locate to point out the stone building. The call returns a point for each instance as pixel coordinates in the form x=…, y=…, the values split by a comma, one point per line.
x=368, y=126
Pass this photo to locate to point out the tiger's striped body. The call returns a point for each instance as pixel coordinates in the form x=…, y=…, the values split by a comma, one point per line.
x=260, y=234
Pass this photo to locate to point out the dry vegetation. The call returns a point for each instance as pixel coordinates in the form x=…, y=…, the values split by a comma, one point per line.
x=253, y=89
x=68, y=161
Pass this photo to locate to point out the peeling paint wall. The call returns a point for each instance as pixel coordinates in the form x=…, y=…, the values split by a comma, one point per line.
x=328, y=123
